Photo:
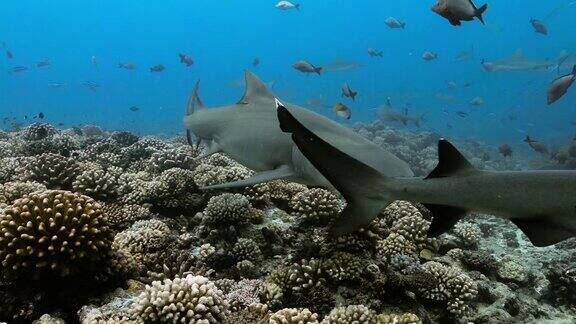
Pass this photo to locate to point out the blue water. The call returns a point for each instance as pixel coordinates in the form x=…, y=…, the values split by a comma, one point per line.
x=223, y=37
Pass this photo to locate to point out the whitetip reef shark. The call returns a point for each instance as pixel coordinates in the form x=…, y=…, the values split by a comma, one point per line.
x=248, y=132
x=541, y=203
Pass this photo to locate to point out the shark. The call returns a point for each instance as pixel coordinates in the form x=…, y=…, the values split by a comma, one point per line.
x=388, y=113
x=518, y=62
x=541, y=203
x=248, y=132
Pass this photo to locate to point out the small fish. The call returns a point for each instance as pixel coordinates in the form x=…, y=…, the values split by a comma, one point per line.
x=559, y=87
x=342, y=110
x=468, y=84
x=536, y=146
x=505, y=150
x=394, y=23
x=429, y=56
x=559, y=156
x=94, y=61
x=18, y=69
x=373, y=52
x=287, y=5
x=40, y=115
x=157, y=68
x=56, y=85
x=476, y=102
x=456, y=11
x=341, y=65
x=465, y=56
x=306, y=67
x=92, y=86
x=134, y=108
x=539, y=26
x=43, y=63
x=127, y=66
x=186, y=59
x=7, y=51
x=451, y=84
x=255, y=61
x=348, y=92
x=462, y=114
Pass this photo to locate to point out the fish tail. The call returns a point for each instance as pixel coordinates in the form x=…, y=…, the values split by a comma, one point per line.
x=480, y=11
x=318, y=70
x=574, y=70
x=297, y=6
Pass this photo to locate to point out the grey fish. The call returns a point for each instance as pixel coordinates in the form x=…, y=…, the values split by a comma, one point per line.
x=306, y=67
x=388, y=113
x=476, y=102
x=517, y=62
x=157, y=68
x=505, y=150
x=134, y=108
x=127, y=66
x=341, y=65
x=255, y=61
x=186, y=59
x=539, y=26
x=56, y=85
x=18, y=69
x=394, y=23
x=373, y=52
x=287, y=5
x=429, y=56
x=456, y=11
x=540, y=203
x=92, y=86
x=248, y=132
x=43, y=63
x=9, y=54
x=465, y=55
x=560, y=86
x=536, y=145
x=347, y=92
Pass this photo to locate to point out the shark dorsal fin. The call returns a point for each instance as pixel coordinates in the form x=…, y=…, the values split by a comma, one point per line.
x=518, y=54
x=194, y=102
x=255, y=89
x=450, y=161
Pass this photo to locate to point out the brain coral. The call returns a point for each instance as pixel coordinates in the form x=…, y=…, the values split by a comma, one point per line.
x=193, y=299
x=53, y=231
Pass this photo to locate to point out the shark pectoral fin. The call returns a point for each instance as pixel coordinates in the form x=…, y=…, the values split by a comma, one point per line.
x=356, y=215
x=542, y=232
x=444, y=218
x=281, y=172
x=211, y=148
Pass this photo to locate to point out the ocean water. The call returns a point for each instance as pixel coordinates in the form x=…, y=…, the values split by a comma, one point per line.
x=513, y=280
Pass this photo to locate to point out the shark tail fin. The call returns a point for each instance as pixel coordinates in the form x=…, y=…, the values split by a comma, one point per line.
x=450, y=162
x=480, y=11
x=357, y=182
x=318, y=70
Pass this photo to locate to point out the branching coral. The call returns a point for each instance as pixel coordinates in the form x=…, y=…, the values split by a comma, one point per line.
x=55, y=232
x=468, y=233
x=343, y=266
x=227, y=209
x=293, y=316
x=350, y=314
x=97, y=182
x=192, y=299
x=246, y=249
x=406, y=318
x=316, y=205
x=171, y=158
x=121, y=216
x=53, y=170
x=11, y=191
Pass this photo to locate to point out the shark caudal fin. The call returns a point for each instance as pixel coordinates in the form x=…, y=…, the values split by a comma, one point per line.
x=450, y=163
x=358, y=183
x=480, y=11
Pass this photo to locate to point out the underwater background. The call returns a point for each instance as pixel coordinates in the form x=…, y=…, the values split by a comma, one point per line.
x=92, y=145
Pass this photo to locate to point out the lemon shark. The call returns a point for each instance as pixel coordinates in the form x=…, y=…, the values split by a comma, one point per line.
x=248, y=131
x=541, y=203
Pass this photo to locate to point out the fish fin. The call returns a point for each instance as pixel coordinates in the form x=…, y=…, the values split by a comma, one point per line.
x=358, y=183
x=454, y=21
x=194, y=102
x=542, y=232
x=211, y=148
x=281, y=172
x=444, y=218
x=574, y=70
x=255, y=88
x=450, y=161
x=480, y=11
x=318, y=70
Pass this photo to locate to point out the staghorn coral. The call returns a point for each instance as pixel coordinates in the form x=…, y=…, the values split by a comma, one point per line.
x=350, y=314
x=452, y=286
x=53, y=170
x=192, y=299
x=316, y=205
x=227, y=209
x=56, y=232
x=293, y=316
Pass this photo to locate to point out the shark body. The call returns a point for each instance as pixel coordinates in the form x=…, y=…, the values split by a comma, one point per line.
x=518, y=62
x=541, y=203
x=248, y=132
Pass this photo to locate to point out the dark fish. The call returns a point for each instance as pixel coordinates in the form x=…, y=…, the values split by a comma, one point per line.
x=465, y=55
x=186, y=59
x=456, y=11
x=373, y=52
x=92, y=86
x=539, y=26
x=536, y=145
x=429, y=56
x=40, y=115
x=134, y=108
x=348, y=92
x=306, y=67
x=394, y=23
x=560, y=86
x=157, y=68
x=18, y=69
x=8, y=52
x=559, y=156
x=255, y=61
x=56, y=85
x=462, y=114
x=127, y=66
x=505, y=150
x=43, y=63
